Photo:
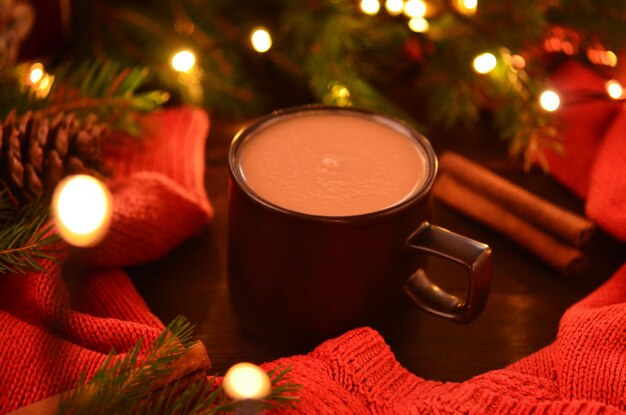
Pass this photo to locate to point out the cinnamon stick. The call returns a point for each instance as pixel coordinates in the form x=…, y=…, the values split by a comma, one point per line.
x=188, y=367
x=563, y=224
x=564, y=258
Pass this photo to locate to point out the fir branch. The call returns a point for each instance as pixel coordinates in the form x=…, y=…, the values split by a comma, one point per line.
x=25, y=239
x=106, y=89
x=119, y=384
x=124, y=385
x=332, y=65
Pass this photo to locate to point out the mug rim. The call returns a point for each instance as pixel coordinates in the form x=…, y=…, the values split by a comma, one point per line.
x=250, y=129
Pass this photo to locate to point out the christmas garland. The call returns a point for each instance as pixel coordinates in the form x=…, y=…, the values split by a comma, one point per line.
x=457, y=58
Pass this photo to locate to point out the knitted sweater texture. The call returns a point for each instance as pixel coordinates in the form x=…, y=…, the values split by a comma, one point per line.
x=52, y=328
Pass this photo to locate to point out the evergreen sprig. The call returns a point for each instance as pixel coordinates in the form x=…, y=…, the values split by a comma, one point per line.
x=107, y=89
x=25, y=239
x=342, y=40
x=124, y=386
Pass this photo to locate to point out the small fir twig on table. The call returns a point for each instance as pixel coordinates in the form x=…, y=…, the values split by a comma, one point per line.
x=127, y=385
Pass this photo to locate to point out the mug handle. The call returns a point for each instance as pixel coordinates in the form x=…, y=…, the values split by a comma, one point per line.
x=472, y=255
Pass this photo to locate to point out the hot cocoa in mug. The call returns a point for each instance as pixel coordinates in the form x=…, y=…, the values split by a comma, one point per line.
x=328, y=225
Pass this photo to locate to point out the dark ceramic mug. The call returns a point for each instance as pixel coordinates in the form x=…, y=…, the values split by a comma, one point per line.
x=303, y=278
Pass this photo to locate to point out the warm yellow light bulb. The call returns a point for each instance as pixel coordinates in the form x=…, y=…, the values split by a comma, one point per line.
x=485, y=63
x=340, y=91
x=261, y=39
x=338, y=94
x=81, y=206
x=370, y=7
x=614, y=89
x=549, y=100
x=419, y=24
x=415, y=8
x=183, y=61
x=394, y=7
x=246, y=381
x=35, y=73
x=470, y=5
x=467, y=7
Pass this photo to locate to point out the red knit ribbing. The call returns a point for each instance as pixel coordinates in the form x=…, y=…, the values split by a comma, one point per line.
x=593, y=161
x=51, y=332
x=168, y=146
x=606, y=202
x=582, y=122
x=159, y=179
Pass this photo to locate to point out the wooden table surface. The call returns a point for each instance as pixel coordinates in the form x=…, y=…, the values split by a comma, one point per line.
x=522, y=315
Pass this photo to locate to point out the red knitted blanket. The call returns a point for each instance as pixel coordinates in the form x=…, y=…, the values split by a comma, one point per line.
x=49, y=335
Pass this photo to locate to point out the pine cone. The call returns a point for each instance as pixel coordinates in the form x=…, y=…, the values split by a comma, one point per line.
x=36, y=153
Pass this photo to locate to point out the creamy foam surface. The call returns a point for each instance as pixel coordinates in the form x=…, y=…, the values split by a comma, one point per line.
x=332, y=164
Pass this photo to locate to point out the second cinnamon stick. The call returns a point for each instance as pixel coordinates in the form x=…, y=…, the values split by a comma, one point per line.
x=563, y=224
x=566, y=259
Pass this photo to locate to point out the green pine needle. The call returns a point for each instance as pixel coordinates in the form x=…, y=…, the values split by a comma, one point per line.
x=107, y=89
x=123, y=386
x=25, y=239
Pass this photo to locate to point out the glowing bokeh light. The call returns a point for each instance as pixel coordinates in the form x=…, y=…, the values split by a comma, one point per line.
x=614, y=89
x=419, y=24
x=338, y=94
x=467, y=7
x=394, y=7
x=370, y=7
x=518, y=61
x=610, y=58
x=183, y=61
x=549, y=100
x=485, y=63
x=415, y=8
x=261, y=39
x=81, y=206
x=470, y=4
x=246, y=381
x=35, y=73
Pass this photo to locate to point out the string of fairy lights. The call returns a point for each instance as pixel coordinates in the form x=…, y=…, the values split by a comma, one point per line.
x=417, y=13
x=83, y=225
x=83, y=221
